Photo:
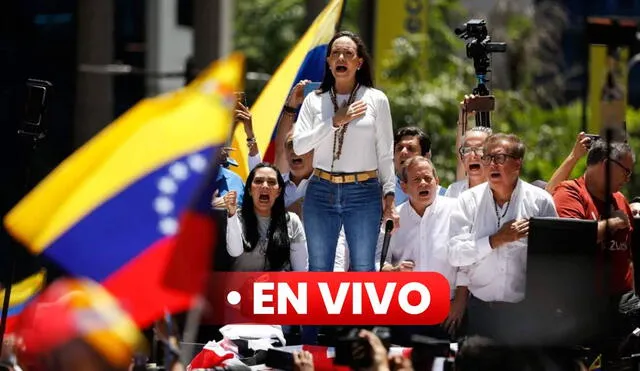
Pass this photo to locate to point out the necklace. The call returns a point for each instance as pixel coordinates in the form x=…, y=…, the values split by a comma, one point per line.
x=495, y=207
x=338, y=137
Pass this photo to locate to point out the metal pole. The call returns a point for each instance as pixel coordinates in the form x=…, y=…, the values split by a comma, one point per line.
x=7, y=296
x=94, y=92
x=212, y=30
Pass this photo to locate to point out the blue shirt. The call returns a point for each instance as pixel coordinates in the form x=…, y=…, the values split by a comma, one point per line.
x=401, y=197
x=227, y=181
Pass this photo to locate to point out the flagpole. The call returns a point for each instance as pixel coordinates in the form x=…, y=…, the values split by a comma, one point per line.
x=5, y=304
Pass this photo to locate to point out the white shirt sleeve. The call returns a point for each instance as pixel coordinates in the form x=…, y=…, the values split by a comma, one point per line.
x=307, y=133
x=463, y=247
x=384, y=144
x=253, y=161
x=235, y=246
x=548, y=209
x=299, y=254
x=462, y=277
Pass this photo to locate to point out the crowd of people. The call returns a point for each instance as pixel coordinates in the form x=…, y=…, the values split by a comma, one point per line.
x=340, y=173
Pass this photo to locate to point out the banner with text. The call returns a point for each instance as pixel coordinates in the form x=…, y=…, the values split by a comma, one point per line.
x=333, y=298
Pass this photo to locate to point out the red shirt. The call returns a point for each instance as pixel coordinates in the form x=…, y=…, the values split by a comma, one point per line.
x=573, y=200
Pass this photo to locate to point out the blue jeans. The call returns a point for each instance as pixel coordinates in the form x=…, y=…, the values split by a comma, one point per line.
x=329, y=206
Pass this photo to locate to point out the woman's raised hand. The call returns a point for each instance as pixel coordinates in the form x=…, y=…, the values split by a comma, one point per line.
x=231, y=202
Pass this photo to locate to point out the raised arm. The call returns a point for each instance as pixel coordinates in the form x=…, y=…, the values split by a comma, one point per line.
x=461, y=129
x=285, y=124
x=235, y=246
x=235, y=238
x=562, y=173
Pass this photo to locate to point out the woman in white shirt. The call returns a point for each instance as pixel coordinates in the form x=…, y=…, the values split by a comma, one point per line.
x=263, y=236
x=348, y=124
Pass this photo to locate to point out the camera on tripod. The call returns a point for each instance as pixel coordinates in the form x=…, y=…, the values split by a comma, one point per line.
x=478, y=48
x=480, y=45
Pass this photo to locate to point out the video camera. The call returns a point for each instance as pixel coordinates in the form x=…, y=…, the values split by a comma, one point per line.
x=356, y=352
x=479, y=47
x=432, y=354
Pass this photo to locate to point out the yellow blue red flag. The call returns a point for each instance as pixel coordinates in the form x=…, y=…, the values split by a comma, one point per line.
x=22, y=293
x=306, y=61
x=111, y=211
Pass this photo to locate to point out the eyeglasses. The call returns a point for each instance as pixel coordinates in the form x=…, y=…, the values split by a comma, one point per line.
x=498, y=159
x=627, y=171
x=463, y=151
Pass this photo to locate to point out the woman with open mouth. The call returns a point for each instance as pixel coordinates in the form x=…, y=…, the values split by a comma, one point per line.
x=347, y=123
x=262, y=236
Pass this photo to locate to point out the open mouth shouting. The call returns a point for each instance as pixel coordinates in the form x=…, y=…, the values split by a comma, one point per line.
x=296, y=162
x=475, y=167
x=495, y=175
x=424, y=193
x=341, y=68
x=264, y=198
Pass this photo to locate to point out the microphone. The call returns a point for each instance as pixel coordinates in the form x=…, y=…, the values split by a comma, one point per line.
x=385, y=243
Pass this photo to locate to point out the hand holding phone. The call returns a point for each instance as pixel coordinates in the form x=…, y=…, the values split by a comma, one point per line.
x=241, y=97
x=480, y=103
x=310, y=87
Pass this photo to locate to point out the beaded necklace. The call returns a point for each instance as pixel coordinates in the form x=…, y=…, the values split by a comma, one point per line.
x=495, y=207
x=338, y=137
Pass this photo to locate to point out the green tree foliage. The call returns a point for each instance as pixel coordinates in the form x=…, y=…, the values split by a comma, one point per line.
x=267, y=29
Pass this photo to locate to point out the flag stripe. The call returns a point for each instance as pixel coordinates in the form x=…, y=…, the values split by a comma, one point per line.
x=311, y=69
x=306, y=60
x=131, y=285
x=17, y=309
x=115, y=236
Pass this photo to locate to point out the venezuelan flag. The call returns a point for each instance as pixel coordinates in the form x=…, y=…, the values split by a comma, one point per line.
x=22, y=293
x=305, y=61
x=112, y=210
x=73, y=308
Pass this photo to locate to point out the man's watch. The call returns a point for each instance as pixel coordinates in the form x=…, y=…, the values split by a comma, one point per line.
x=290, y=109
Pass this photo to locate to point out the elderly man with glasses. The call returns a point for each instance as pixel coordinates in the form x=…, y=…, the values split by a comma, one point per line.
x=488, y=239
x=470, y=153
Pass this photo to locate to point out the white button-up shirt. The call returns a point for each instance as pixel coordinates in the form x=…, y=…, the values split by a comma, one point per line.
x=455, y=189
x=422, y=239
x=368, y=142
x=293, y=192
x=494, y=274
